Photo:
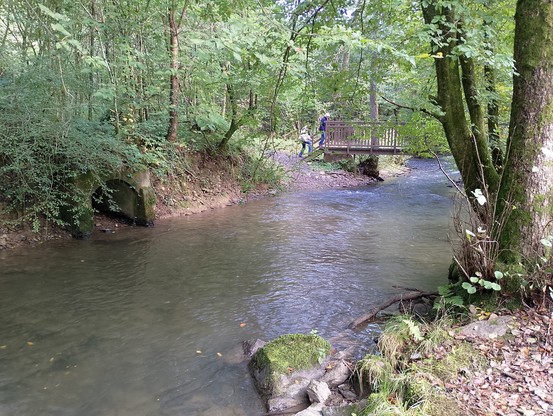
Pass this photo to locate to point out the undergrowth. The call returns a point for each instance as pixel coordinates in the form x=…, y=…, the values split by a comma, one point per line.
x=415, y=360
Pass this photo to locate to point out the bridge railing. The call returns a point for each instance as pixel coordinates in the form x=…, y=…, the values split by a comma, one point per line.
x=362, y=136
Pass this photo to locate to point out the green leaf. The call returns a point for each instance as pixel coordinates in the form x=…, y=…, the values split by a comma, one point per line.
x=456, y=300
x=414, y=330
x=52, y=14
x=469, y=288
x=444, y=291
x=498, y=275
x=59, y=28
x=487, y=284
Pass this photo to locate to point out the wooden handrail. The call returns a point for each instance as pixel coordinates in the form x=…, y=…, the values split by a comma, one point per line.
x=362, y=136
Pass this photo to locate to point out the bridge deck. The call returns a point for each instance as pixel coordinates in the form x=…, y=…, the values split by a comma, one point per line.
x=352, y=137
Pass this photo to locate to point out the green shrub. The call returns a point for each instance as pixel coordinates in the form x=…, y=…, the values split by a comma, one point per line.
x=43, y=149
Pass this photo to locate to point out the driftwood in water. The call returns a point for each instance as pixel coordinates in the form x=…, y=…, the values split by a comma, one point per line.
x=397, y=298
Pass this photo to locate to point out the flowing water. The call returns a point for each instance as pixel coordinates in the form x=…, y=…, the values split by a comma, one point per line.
x=150, y=321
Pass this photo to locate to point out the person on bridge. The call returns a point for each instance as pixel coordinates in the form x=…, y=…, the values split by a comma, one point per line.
x=306, y=141
x=322, y=129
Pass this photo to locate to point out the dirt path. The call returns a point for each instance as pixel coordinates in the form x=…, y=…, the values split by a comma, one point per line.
x=305, y=175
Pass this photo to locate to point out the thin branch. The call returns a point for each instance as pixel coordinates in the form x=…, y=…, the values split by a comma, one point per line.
x=422, y=110
x=182, y=16
x=446, y=174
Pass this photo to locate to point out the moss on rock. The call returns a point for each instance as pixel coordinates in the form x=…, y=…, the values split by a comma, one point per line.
x=292, y=352
x=285, y=355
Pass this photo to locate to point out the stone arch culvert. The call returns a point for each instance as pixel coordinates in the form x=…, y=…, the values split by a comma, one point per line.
x=126, y=194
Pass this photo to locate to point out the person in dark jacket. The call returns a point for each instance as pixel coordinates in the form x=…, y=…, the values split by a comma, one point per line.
x=322, y=129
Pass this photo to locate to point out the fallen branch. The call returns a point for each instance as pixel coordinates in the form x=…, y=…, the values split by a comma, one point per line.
x=397, y=298
x=409, y=289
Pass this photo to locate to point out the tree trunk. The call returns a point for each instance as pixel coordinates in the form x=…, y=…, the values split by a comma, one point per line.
x=92, y=46
x=528, y=178
x=493, y=118
x=492, y=106
x=373, y=101
x=467, y=139
x=174, y=80
x=234, y=122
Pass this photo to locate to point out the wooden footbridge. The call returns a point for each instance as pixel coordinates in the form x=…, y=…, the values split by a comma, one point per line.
x=361, y=138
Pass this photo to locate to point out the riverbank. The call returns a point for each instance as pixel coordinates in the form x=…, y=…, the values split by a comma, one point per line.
x=208, y=183
x=484, y=364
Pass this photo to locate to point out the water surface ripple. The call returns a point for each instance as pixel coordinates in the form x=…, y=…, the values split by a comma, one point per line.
x=150, y=321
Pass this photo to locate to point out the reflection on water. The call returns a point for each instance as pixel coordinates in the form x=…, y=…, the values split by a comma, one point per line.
x=150, y=321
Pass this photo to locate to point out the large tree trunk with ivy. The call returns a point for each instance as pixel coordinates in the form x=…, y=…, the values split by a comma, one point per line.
x=528, y=180
x=456, y=81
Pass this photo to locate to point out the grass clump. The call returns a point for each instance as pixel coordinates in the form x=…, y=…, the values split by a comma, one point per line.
x=415, y=362
x=292, y=352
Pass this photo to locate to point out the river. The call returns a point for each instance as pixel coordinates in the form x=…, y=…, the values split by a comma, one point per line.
x=149, y=321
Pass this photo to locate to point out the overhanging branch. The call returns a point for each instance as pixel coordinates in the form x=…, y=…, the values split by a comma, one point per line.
x=422, y=110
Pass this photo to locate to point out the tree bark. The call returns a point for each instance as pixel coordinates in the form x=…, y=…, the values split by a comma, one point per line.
x=174, y=78
x=174, y=29
x=527, y=184
x=493, y=105
x=493, y=118
x=466, y=138
x=234, y=122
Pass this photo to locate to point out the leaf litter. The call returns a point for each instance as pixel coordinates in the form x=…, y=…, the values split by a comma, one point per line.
x=518, y=377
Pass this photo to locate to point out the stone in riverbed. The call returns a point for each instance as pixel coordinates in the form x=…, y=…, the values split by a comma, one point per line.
x=251, y=346
x=318, y=391
x=284, y=367
x=337, y=375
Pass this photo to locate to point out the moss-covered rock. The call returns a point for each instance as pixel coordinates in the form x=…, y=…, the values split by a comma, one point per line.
x=289, y=360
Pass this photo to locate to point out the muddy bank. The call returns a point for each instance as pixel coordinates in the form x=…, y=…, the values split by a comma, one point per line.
x=207, y=184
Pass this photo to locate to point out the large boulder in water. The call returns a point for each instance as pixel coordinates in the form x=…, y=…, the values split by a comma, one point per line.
x=283, y=368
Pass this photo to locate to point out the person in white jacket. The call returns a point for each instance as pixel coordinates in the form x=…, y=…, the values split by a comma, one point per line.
x=306, y=141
